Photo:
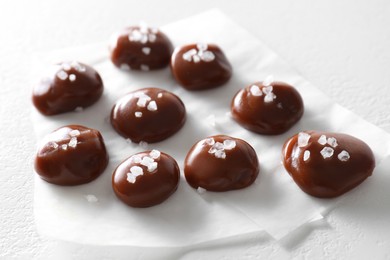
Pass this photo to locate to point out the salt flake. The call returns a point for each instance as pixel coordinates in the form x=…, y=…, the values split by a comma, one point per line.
x=343, y=156
x=152, y=106
x=327, y=152
x=303, y=139
x=322, y=140
x=229, y=144
x=155, y=154
x=268, y=80
x=73, y=142
x=306, y=155
x=332, y=142
x=255, y=91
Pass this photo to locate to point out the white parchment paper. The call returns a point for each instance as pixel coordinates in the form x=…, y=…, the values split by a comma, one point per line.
x=273, y=204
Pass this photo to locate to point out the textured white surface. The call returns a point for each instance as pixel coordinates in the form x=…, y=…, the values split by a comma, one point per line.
x=343, y=47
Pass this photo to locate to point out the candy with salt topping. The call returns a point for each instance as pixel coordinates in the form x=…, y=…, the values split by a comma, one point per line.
x=146, y=179
x=200, y=66
x=267, y=107
x=221, y=163
x=140, y=48
x=69, y=86
x=71, y=155
x=327, y=165
x=148, y=115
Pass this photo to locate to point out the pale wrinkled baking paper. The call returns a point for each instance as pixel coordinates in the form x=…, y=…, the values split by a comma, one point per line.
x=273, y=204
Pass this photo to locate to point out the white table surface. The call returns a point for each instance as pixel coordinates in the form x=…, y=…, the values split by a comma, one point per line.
x=343, y=47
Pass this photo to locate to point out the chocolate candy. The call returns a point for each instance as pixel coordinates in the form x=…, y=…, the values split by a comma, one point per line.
x=149, y=115
x=70, y=86
x=146, y=179
x=141, y=48
x=200, y=66
x=71, y=155
x=221, y=163
x=267, y=107
x=326, y=165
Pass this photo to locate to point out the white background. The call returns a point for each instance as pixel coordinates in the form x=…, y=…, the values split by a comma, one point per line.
x=342, y=47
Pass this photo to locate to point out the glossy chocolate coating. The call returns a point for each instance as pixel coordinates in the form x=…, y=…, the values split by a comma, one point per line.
x=71, y=155
x=263, y=111
x=141, y=48
x=148, y=186
x=214, y=165
x=70, y=86
x=200, y=66
x=328, y=164
x=149, y=115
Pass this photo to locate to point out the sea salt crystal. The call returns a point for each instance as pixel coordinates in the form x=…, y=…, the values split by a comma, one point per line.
x=136, y=159
x=144, y=67
x=268, y=90
x=78, y=66
x=303, y=139
x=72, y=77
x=130, y=177
x=202, y=46
x=201, y=190
x=269, y=97
x=142, y=99
x=64, y=147
x=155, y=154
x=152, y=167
x=207, y=56
x=209, y=141
x=146, y=50
x=220, y=154
x=327, y=152
x=332, y=142
x=62, y=75
x=255, y=91
x=54, y=145
x=66, y=66
x=343, y=156
x=136, y=171
x=73, y=142
x=138, y=114
x=268, y=80
x=152, y=37
x=146, y=161
x=91, y=198
x=152, y=106
x=196, y=58
x=74, y=132
x=159, y=95
x=188, y=54
x=229, y=144
x=143, y=144
x=135, y=36
x=322, y=140
x=306, y=155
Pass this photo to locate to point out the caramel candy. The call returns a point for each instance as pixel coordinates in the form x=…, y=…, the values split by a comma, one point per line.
x=221, y=163
x=70, y=86
x=268, y=107
x=200, y=66
x=146, y=179
x=327, y=165
x=149, y=115
x=71, y=155
x=141, y=48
